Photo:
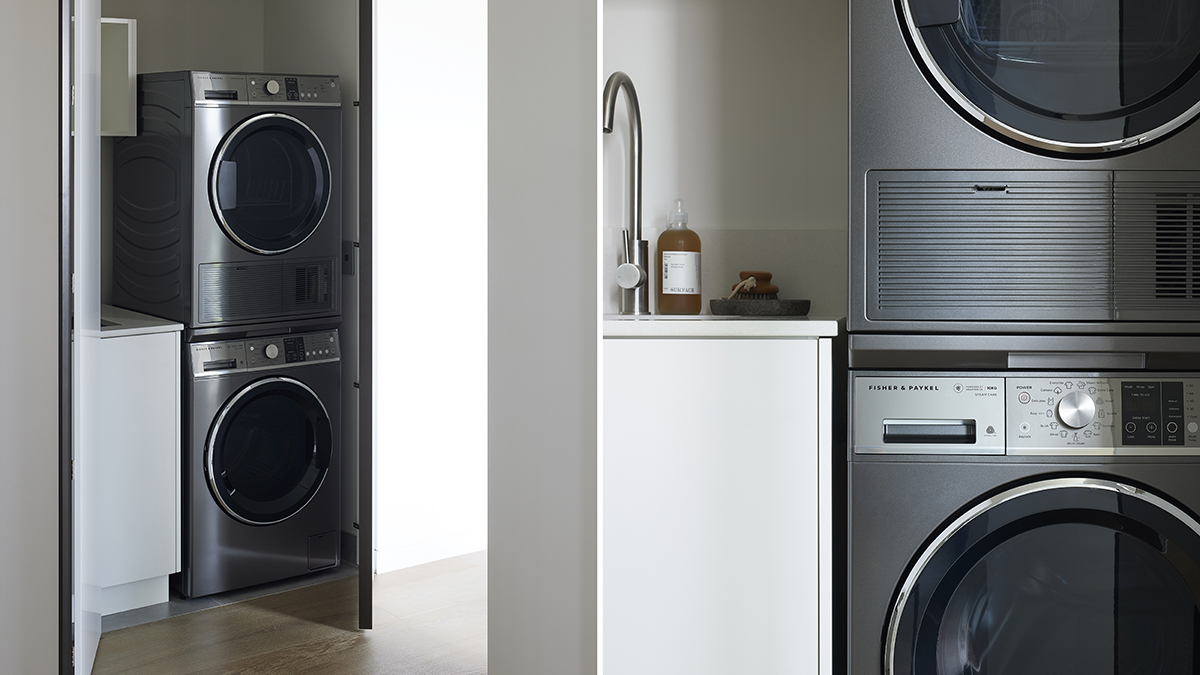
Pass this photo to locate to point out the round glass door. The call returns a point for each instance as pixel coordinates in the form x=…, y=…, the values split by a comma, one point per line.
x=1071, y=575
x=269, y=183
x=1065, y=76
x=268, y=451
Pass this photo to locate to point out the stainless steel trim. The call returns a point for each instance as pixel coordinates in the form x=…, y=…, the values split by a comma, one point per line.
x=212, y=180
x=1077, y=360
x=216, y=427
x=986, y=505
x=1029, y=139
x=257, y=369
x=264, y=104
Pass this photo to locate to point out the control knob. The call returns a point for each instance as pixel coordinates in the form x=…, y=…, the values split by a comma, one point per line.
x=1076, y=409
x=272, y=351
x=272, y=87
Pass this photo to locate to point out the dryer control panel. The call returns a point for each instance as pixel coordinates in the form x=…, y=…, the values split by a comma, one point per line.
x=223, y=89
x=1106, y=415
x=282, y=351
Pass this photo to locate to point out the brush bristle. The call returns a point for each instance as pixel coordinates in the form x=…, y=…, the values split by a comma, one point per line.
x=756, y=296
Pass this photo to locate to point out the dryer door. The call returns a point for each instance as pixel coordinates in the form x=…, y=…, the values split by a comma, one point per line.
x=1064, y=76
x=1070, y=575
x=269, y=183
x=268, y=451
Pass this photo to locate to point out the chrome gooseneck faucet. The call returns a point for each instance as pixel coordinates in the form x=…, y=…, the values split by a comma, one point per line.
x=632, y=275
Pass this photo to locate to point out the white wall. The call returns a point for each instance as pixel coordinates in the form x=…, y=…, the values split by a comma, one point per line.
x=431, y=280
x=29, y=182
x=744, y=117
x=543, y=121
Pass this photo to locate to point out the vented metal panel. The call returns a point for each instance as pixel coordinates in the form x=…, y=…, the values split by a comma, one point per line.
x=1157, y=244
x=982, y=246
x=250, y=291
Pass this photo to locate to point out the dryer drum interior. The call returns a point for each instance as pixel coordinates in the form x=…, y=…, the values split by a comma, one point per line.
x=1065, y=76
x=269, y=184
x=269, y=451
x=1035, y=579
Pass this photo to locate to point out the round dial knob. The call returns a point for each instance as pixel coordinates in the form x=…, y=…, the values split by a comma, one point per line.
x=630, y=275
x=1076, y=409
x=272, y=89
x=272, y=351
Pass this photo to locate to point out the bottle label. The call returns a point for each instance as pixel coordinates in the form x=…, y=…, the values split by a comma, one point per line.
x=681, y=272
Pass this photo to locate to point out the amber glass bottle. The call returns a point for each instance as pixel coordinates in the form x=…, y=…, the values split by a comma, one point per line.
x=678, y=263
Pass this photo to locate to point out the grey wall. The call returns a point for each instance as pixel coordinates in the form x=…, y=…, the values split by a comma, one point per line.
x=29, y=182
x=543, y=111
x=187, y=35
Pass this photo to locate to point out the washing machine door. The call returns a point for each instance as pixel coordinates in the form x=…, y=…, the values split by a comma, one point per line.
x=1063, y=76
x=269, y=183
x=1071, y=575
x=268, y=451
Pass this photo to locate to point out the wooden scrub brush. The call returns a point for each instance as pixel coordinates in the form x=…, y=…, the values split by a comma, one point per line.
x=755, y=295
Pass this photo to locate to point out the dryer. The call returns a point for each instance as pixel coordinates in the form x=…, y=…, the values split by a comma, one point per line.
x=261, y=462
x=227, y=204
x=1024, y=166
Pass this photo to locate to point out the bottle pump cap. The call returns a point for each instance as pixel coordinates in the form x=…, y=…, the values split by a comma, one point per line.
x=678, y=215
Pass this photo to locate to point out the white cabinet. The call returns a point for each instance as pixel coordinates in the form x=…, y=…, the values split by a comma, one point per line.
x=715, y=493
x=137, y=472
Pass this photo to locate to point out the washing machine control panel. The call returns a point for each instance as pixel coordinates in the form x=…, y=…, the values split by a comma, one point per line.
x=282, y=351
x=1102, y=415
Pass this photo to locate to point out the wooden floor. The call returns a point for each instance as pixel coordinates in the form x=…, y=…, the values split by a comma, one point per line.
x=429, y=620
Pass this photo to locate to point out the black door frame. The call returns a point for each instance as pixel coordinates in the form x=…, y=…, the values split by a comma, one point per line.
x=364, y=107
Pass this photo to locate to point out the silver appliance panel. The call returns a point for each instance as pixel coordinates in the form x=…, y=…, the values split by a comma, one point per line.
x=1043, y=415
x=210, y=359
x=226, y=89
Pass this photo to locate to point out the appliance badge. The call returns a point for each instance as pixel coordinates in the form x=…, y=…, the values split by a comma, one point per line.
x=903, y=387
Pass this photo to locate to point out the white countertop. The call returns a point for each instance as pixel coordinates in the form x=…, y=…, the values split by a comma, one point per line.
x=118, y=322
x=706, y=325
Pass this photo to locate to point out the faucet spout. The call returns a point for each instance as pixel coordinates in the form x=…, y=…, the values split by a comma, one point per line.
x=619, y=81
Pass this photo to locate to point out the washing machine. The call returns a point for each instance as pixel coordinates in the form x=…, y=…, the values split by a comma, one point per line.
x=1024, y=166
x=261, y=462
x=227, y=204
x=1024, y=523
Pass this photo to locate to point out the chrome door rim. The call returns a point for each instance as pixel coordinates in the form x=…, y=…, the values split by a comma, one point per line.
x=210, y=473
x=1016, y=134
x=889, y=655
x=212, y=182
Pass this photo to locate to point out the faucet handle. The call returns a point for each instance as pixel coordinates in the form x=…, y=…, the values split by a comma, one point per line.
x=630, y=276
x=629, y=273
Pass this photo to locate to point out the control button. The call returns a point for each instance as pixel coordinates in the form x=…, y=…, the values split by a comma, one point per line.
x=251, y=347
x=1151, y=427
x=1172, y=427
x=958, y=388
x=1130, y=427
x=1024, y=427
x=1076, y=409
x=1023, y=397
x=271, y=351
x=272, y=87
x=331, y=338
x=1192, y=427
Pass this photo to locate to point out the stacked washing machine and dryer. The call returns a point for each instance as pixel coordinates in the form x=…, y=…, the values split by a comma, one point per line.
x=1023, y=471
x=227, y=218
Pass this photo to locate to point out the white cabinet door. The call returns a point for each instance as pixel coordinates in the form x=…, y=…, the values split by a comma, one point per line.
x=710, y=506
x=136, y=476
